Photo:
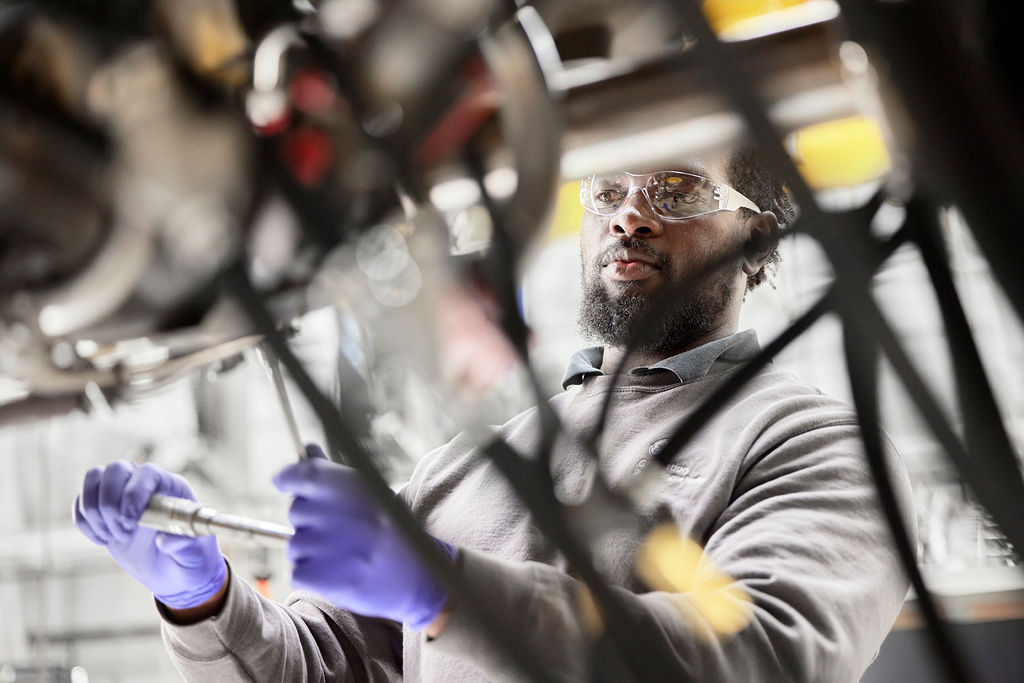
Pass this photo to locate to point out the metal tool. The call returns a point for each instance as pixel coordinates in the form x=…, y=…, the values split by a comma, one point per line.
x=190, y=518
x=269, y=362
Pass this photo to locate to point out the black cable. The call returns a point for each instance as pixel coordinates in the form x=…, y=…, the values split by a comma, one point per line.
x=632, y=636
x=994, y=474
x=342, y=444
x=922, y=398
x=718, y=398
x=502, y=260
x=844, y=249
x=344, y=448
x=532, y=480
x=861, y=359
x=969, y=146
x=761, y=121
x=658, y=306
x=398, y=154
x=736, y=381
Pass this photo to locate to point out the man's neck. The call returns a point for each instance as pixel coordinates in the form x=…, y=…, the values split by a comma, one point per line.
x=613, y=355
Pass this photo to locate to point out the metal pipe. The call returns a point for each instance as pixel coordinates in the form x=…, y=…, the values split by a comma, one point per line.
x=664, y=108
x=191, y=518
x=99, y=289
x=644, y=112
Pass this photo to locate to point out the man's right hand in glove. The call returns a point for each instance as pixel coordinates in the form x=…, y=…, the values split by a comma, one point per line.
x=181, y=572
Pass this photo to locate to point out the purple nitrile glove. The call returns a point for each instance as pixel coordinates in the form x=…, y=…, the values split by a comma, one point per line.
x=348, y=550
x=180, y=571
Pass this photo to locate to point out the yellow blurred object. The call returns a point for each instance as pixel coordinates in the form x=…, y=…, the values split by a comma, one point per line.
x=736, y=20
x=843, y=153
x=669, y=562
x=209, y=35
x=217, y=43
x=722, y=14
x=565, y=219
x=589, y=613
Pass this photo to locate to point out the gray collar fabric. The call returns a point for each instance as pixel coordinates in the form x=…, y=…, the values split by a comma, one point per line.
x=687, y=366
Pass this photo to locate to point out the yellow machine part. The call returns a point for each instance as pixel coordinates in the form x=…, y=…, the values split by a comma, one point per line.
x=843, y=153
x=723, y=14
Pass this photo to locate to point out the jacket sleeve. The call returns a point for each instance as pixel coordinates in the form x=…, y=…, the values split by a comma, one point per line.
x=306, y=639
x=803, y=536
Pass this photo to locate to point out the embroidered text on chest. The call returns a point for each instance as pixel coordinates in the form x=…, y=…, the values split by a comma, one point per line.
x=673, y=470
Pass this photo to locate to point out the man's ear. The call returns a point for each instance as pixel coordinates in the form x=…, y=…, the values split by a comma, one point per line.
x=762, y=236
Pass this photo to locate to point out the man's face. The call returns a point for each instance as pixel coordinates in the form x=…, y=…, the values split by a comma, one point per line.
x=671, y=282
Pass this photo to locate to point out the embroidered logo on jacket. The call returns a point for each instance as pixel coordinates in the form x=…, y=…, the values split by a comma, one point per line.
x=672, y=470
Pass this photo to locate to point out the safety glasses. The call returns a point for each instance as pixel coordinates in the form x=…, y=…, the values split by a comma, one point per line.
x=671, y=194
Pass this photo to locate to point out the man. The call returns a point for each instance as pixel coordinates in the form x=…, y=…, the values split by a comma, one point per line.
x=774, y=488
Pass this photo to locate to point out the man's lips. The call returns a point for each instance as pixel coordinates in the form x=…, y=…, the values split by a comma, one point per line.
x=628, y=266
x=628, y=271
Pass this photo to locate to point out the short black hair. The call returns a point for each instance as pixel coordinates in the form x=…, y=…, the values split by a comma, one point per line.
x=748, y=174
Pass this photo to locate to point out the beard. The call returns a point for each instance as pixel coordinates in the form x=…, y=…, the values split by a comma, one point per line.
x=682, y=311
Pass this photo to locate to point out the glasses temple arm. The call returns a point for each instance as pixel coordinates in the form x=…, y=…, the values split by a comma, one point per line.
x=733, y=200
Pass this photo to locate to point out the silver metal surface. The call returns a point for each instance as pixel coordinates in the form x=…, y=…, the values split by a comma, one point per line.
x=277, y=379
x=190, y=518
x=652, y=111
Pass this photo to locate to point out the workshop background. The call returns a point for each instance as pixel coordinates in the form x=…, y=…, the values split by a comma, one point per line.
x=69, y=613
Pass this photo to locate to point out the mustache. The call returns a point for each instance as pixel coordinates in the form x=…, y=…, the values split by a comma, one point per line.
x=619, y=252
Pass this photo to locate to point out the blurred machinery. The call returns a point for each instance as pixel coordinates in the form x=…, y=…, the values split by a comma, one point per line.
x=147, y=149
x=181, y=178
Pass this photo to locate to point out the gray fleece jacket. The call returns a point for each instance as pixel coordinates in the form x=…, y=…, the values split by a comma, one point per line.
x=775, y=488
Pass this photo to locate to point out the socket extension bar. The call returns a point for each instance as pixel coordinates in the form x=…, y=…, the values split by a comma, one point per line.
x=190, y=518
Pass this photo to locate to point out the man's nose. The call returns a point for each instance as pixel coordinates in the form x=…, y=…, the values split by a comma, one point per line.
x=637, y=219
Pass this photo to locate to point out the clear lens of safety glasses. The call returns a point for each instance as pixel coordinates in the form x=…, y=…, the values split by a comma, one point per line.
x=672, y=194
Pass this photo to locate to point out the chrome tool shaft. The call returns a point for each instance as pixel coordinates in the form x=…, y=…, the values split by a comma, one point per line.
x=190, y=518
x=269, y=362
